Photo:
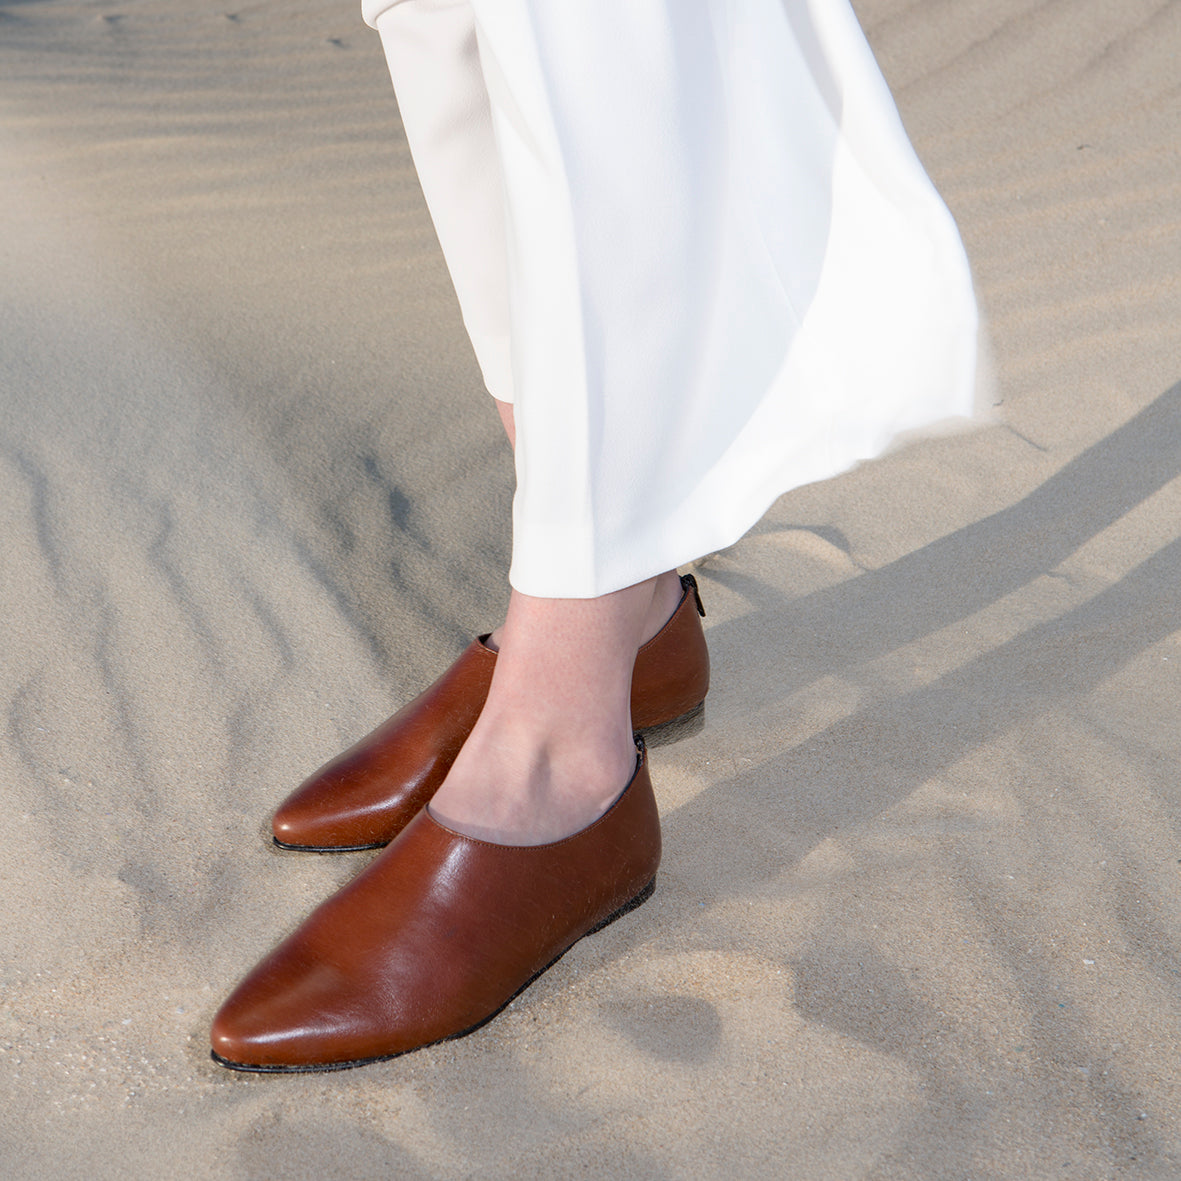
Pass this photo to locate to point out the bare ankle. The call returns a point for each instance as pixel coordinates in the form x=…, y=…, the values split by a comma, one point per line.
x=666, y=595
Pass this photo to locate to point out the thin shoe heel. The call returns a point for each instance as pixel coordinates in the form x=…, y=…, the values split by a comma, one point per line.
x=626, y=908
x=689, y=723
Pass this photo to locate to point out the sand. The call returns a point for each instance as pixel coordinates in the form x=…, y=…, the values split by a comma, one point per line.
x=919, y=914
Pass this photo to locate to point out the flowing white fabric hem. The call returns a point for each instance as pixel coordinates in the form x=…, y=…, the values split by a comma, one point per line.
x=728, y=275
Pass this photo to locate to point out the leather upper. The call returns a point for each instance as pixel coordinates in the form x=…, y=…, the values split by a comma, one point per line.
x=434, y=938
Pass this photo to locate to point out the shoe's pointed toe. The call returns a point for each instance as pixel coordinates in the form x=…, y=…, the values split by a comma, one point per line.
x=436, y=936
x=364, y=797
x=247, y=1035
x=293, y=1012
x=298, y=824
x=322, y=999
x=345, y=806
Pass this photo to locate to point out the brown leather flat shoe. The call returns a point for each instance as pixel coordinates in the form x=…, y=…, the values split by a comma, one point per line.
x=434, y=938
x=364, y=797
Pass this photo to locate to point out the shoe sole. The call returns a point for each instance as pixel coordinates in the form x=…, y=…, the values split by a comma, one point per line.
x=325, y=848
x=662, y=734
x=325, y=1067
x=685, y=726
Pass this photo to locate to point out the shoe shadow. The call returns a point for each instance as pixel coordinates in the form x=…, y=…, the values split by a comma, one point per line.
x=956, y=576
x=733, y=841
x=752, y=826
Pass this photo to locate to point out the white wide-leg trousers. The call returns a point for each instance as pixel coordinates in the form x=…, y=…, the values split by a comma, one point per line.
x=692, y=245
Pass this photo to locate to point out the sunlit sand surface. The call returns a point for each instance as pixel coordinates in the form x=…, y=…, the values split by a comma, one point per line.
x=919, y=914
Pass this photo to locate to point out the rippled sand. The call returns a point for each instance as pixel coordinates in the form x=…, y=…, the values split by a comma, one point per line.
x=919, y=914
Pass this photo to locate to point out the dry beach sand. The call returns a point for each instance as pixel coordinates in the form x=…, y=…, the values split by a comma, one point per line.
x=920, y=911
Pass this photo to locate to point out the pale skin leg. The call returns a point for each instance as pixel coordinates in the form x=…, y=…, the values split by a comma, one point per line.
x=553, y=746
